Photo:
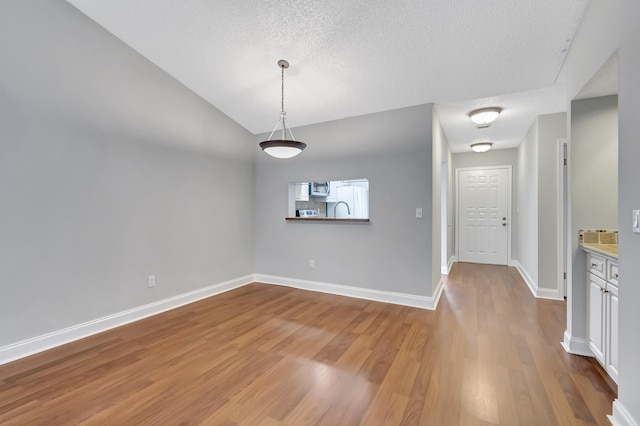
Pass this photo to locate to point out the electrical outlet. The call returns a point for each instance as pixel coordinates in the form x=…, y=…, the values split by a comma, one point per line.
x=418, y=213
x=151, y=281
x=636, y=221
x=312, y=264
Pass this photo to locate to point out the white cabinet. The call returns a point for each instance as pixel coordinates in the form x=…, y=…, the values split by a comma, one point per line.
x=596, y=265
x=333, y=191
x=612, y=272
x=596, y=316
x=302, y=191
x=612, y=331
x=602, y=303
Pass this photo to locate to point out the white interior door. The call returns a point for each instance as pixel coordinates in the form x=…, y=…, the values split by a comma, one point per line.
x=483, y=216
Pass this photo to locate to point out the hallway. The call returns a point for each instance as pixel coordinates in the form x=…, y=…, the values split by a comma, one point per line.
x=515, y=369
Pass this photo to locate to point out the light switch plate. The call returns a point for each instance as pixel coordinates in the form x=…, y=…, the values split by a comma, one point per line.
x=636, y=221
x=418, y=213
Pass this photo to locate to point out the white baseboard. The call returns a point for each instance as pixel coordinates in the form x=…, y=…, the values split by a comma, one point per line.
x=621, y=416
x=445, y=269
x=533, y=286
x=357, y=292
x=41, y=343
x=576, y=346
x=548, y=293
x=438, y=292
x=540, y=293
x=452, y=260
x=51, y=340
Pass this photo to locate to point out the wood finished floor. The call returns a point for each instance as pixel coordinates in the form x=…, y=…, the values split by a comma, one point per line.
x=269, y=355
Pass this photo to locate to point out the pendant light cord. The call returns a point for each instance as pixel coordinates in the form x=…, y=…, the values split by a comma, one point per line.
x=282, y=113
x=282, y=86
x=282, y=148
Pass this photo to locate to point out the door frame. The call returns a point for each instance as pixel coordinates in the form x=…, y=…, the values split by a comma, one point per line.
x=563, y=240
x=444, y=218
x=509, y=204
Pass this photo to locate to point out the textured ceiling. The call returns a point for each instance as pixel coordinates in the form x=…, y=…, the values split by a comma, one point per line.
x=356, y=57
x=518, y=114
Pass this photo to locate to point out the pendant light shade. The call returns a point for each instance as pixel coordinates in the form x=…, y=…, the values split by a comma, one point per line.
x=282, y=148
x=279, y=148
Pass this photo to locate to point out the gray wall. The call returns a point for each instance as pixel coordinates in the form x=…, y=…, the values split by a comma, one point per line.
x=393, y=251
x=493, y=157
x=551, y=127
x=110, y=171
x=594, y=151
x=594, y=184
x=536, y=210
x=526, y=217
x=629, y=199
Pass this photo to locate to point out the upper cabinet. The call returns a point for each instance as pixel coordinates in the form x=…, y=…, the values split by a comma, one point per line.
x=302, y=191
x=333, y=191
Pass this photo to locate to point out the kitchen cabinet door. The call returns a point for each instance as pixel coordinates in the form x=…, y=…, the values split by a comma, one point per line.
x=612, y=331
x=333, y=191
x=302, y=191
x=596, y=329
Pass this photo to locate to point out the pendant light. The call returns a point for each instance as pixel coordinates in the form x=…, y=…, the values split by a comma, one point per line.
x=282, y=148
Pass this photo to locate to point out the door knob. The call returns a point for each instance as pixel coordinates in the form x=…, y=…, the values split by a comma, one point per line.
x=504, y=224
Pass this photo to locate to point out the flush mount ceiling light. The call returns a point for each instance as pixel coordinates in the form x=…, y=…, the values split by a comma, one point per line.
x=484, y=116
x=481, y=146
x=282, y=148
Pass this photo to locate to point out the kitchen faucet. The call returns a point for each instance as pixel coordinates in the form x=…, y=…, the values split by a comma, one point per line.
x=336, y=206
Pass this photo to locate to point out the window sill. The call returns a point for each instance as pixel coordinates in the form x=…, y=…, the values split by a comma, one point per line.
x=324, y=219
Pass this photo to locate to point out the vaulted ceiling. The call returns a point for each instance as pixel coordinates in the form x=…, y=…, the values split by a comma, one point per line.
x=356, y=57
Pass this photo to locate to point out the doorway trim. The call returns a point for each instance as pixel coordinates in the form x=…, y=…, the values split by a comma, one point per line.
x=444, y=218
x=509, y=204
x=562, y=220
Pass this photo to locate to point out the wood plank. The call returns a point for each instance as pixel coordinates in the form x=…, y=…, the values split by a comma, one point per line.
x=479, y=396
x=271, y=355
x=386, y=409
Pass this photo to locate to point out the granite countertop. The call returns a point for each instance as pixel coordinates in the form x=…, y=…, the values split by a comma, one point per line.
x=609, y=250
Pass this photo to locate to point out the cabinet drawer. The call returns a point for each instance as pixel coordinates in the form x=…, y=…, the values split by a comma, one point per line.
x=612, y=272
x=596, y=265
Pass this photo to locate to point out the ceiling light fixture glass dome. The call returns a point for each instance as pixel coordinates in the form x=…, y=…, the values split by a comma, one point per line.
x=481, y=146
x=485, y=115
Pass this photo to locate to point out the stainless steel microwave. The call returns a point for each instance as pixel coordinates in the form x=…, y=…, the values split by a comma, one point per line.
x=319, y=189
